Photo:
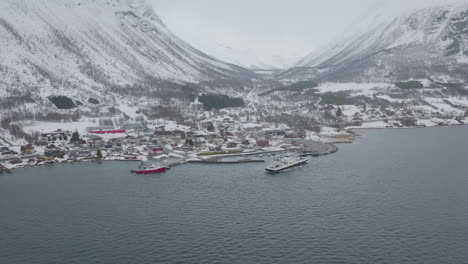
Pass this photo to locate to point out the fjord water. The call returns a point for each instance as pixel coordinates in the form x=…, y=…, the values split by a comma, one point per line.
x=394, y=196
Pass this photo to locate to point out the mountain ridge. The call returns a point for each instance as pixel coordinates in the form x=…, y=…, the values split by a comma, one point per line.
x=417, y=44
x=96, y=46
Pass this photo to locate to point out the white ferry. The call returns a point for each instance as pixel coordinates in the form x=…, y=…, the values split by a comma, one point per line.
x=285, y=163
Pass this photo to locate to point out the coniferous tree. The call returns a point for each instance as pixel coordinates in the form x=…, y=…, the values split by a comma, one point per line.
x=99, y=154
x=189, y=142
x=211, y=128
x=339, y=113
x=75, y=137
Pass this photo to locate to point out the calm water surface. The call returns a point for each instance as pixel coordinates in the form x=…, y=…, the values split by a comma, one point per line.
x=395, y=196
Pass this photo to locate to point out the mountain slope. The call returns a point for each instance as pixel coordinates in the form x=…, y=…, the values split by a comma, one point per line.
x=431, y=42
x=250, y=59
x=96, y=46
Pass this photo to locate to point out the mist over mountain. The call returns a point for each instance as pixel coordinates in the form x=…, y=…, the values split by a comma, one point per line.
x=425, y=43
x=250, y=59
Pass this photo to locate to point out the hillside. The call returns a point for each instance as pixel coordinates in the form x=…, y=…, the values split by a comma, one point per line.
x=427, y=43
x=90, y=48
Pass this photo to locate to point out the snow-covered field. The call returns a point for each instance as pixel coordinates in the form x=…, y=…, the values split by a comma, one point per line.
x=44, y=127
x=354, y=88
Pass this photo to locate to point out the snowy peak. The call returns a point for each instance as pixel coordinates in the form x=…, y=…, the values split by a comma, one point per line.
x=382, y=47
x=381, y=33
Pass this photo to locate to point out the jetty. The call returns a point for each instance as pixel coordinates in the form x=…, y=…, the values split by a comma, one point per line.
x=217, y=161
x=314, y=148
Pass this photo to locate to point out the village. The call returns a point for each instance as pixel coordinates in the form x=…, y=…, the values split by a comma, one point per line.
x=203, y=136
x=163, y=142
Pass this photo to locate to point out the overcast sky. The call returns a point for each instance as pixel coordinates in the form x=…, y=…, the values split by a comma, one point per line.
x=269, y=27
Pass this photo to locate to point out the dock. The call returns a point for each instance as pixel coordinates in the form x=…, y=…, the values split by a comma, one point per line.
x=315, y=148
x=214, y=161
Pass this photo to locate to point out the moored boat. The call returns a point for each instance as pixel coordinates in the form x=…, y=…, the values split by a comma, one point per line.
x=285, y=163
x=151, y=169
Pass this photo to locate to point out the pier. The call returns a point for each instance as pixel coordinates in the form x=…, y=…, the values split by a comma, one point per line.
x=315, y=148
x=216, y=161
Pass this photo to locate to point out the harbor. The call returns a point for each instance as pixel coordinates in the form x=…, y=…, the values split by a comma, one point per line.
x=166, y=144
x=309, y=148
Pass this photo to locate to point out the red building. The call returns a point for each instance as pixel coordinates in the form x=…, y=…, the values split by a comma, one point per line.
x=102, y=132
x=263, y=143
x=156, y=148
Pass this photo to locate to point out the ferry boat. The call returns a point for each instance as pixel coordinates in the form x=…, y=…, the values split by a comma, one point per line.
x=151, y=169
x=285, y=163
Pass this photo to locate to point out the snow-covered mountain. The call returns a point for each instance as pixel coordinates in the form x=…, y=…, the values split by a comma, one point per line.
x=431, y=42
x=95, y=46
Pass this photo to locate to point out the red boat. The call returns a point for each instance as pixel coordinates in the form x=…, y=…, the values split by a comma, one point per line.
x=151, y=169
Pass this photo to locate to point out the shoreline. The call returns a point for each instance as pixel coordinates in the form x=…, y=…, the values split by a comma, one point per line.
x=404, y=128
x=328, y=148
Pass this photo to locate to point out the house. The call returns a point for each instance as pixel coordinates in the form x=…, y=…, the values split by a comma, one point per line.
x=73, y=155
x=94, y=138
x=57, y=133
x=16, y=161
x=108, y=146
x=232, y=144
x=263, y=143
x=276, y=132
x=190, y=134
x=290, y=135
x=80, y=142
x=179, y=133
x=84, y=153
x=328, y=108
x=162, y=133
x=199, y=142
x=42, y=143
x=227, y=134
x=134, y=127
x=113, y=131
x=207, y=124
x=27, y=149
x=52, y=154
x=51, y=146
x=187, y=147
x=156, y=148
